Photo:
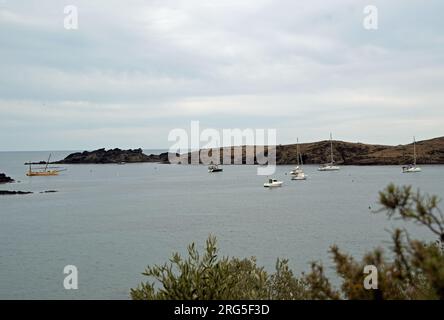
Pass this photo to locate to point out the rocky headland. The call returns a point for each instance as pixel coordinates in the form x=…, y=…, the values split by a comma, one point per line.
x=102, y=156
x=5, y=179
x=345, y=153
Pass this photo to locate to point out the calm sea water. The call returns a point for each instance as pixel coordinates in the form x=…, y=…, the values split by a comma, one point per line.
x=112, y=220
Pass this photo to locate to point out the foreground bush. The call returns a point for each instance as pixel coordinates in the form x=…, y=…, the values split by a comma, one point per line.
x=415, y=269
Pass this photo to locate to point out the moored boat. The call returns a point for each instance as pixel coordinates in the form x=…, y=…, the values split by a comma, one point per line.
x=299, y=176
x=214, y=168
x=411, y=168
x=297, y=172
x=43, y=172
x=273, y=183
x=330, y=166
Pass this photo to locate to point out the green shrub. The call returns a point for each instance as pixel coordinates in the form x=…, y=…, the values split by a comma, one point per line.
x=414, y=271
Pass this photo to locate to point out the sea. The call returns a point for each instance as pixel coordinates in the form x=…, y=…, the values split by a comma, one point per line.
x=111, y=221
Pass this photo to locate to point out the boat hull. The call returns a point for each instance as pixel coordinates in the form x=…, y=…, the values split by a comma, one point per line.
x=411, y=170
x=295, y=171
x=42, y=174
x=273, y=184
x=329, y=168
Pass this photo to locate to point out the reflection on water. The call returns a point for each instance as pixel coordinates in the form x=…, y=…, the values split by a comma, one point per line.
x=112, y=220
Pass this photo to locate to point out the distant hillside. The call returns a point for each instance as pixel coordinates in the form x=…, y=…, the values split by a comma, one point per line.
x=349, y=153
x=345, y=153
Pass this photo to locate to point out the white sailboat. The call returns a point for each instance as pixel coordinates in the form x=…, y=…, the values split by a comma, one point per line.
x=297, y=172
x=330, y=166
x=411, y=168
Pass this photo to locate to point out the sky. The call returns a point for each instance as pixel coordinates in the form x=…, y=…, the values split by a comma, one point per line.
x=135, y=70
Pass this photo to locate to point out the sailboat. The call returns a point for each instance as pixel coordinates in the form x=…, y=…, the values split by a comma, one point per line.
x=297, y=172
x=412, y=167
x=330, y=166
x=44, y=172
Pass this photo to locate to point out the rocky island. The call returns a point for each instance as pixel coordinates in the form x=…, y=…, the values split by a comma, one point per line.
x=8, y=192
x=102, y=156
x=5, y=179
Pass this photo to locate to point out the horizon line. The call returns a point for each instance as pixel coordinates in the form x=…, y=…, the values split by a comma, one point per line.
x=215, y=147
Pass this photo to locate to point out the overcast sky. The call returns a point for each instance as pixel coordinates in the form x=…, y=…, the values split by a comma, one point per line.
x=134, y=70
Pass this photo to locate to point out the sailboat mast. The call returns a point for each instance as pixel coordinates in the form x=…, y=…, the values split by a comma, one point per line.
x=47, y=162
x=331, y=148
x=414, y=151
x=300, y=157
x=297, y=150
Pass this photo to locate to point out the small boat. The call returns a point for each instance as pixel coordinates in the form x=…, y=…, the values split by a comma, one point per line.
x=214, y=168
x=411, y=168
x=297, y=172
x=273, y=183
x=299, y=176
x=330, y=166
x=44, y=172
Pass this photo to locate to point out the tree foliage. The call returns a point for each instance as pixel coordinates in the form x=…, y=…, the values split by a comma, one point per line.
x=414, y=270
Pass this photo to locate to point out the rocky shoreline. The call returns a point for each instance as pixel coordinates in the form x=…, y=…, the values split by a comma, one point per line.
x=5, y=179
x=13, y=192
x=8, y=192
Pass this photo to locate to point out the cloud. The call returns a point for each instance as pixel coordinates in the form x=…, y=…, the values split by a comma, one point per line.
x=132, y=67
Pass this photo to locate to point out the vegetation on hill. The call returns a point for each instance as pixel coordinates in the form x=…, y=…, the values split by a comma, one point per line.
x=345, y=153
x=414, y=269
x=348, y=153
